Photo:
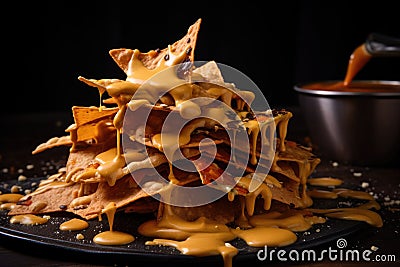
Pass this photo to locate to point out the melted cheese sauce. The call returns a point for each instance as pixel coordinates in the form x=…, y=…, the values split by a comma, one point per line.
x=201, y=237
x=29, y=219
x=7, y=206
x=112, y=237
x=266, y=236
x=10, y=198
x=204, y=237
x=203, y=244
x=74, y=224
x=324, y=181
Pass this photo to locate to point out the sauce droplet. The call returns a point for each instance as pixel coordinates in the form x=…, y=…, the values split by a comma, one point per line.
x=29, y=219
x=113, y=238
x=74, y=225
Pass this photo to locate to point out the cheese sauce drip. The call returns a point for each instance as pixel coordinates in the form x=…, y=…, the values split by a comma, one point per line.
x=112, y=237
x=204, y=237
x=360, y=213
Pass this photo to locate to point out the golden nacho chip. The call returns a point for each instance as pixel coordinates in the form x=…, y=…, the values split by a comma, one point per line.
x=295, y=162
x=143, y=205
x=211, y=72
x=55, y=198
x=79, y=160
x=288, y=193
x=152, y=59
x=122, y=193
x=126, y=191
x=119, y=90
x=217, y=211
x=86, y=115
x=53, y=142
x=209, y=173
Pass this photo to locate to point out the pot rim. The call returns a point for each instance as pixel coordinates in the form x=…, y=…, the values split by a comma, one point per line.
x=300, y=88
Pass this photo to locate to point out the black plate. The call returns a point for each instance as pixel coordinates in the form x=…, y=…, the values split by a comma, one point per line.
x=49, y=236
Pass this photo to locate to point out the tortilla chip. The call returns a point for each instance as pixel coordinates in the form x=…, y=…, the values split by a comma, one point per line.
x=122, y=193
x=210, y=72
x=82, y=159
x=53, y=142
x=86, y=115
x=143, y=205
x=217, y=211
x=152, y=58
x=295, y=162
x=288, y=193
x=47, y=201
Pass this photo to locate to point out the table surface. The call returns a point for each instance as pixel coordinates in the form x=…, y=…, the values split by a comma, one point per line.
x=21, y=133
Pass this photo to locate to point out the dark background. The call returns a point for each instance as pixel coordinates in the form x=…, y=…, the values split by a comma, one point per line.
x=48, y=44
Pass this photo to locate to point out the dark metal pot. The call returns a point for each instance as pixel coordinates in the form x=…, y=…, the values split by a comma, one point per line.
x=353, y=126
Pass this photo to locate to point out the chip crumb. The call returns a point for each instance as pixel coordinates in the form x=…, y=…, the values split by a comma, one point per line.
x=364, y=184
x=20, y=170
x=357, y=174
x=4, y=170
x=15, y=189
x=374, y=248
x=80, y=236
x=27, y=191
x=30, y=166
x=318, y=230
x=22, y=178
x=335, y=164
x=47, y=217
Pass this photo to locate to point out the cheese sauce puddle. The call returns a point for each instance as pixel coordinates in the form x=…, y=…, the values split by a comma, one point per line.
x=112, y=237
x=74, y=225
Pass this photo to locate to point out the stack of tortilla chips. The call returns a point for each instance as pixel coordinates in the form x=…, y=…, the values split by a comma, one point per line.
x=113, y=146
